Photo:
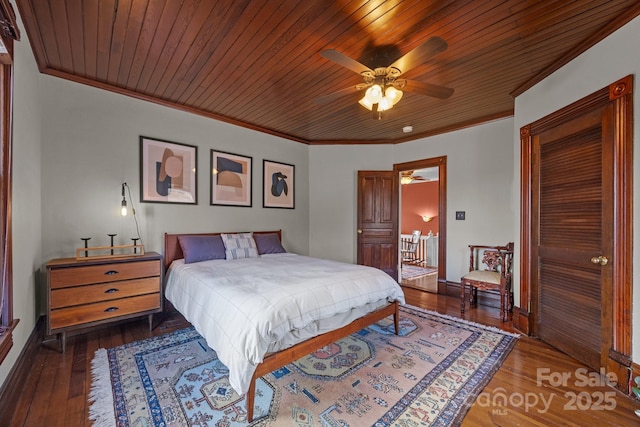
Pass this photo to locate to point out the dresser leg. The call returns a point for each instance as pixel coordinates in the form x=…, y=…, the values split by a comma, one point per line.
x=63, y=341
x=150, y=322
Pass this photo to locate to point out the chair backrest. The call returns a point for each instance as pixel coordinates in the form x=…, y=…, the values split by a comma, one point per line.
x=411, y=246
x=491, y=258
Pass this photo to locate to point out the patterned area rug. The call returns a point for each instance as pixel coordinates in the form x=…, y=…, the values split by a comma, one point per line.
x=413, y=271
x=428, y=376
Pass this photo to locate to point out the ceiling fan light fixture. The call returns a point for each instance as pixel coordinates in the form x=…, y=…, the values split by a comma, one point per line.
x=384, y=88
x=393, y=95
x=365, y=103
x=384, y=104
x=385, y=98
x=374, y=94
x=406, y=179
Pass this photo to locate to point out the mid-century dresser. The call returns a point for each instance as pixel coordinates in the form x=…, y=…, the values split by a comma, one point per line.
x=82, y=293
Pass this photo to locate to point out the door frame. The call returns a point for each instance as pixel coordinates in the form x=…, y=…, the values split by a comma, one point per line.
x=619, y=97
x=441, y=163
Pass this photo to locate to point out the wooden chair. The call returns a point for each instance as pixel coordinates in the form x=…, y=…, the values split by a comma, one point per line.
x=489, y=269
x=410, y=247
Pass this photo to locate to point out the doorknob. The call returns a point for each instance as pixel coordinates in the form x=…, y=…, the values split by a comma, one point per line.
x=602, y=260
x=359, y=231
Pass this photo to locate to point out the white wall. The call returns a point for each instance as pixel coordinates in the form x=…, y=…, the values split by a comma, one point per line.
x=613, y=58
x=26, y=206
x=479, y=181
x=91, y=145
x=333, y=173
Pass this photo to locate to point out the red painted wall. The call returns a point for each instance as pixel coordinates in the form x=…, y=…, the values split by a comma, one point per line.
x=419, y=199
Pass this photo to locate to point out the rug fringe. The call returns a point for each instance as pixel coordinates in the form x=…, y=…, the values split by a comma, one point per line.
x=101, y=410
x=468, y=322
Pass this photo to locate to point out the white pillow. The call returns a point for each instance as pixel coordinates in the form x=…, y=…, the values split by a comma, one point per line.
x=239, y=245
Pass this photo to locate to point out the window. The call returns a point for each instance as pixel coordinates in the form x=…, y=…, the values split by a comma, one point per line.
x=8, y=33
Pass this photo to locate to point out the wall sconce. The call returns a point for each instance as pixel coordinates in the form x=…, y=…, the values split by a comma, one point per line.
x=123, y=210
x=426, y=218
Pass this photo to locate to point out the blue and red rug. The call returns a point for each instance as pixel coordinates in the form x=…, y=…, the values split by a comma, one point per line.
x=429, y=375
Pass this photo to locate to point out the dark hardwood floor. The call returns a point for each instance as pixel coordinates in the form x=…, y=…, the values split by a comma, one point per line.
x=522, y=393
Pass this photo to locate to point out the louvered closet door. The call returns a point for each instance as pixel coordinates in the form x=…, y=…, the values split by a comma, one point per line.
x=573, y=221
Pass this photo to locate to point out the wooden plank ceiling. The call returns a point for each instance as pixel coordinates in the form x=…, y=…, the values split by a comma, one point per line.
x=258, y=63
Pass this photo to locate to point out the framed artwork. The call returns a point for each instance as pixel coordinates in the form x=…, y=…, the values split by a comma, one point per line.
x=167, y=172
x=231, y=176
x=278, y=185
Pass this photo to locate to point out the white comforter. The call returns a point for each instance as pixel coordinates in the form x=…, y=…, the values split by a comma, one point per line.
x=248, y=307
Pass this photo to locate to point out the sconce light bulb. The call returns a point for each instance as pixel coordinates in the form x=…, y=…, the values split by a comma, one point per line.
x=123, y=211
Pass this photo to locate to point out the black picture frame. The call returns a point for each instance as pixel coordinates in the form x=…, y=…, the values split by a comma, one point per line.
x=168, y=172
x=231, y=179
x=278, y=188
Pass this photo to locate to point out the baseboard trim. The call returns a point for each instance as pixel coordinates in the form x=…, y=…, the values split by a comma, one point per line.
x=16, y=378
x=488, y=298
x=620, y=365
x=520, y=320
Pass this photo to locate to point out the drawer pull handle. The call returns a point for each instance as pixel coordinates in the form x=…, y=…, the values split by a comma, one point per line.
x=112, y=291
x=111, y=272
x=110, y=309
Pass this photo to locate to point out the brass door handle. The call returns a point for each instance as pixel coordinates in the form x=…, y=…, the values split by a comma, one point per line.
x=359, y=231
x=602, y=260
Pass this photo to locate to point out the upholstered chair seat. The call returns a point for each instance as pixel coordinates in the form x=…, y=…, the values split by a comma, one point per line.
x=489, y=269
x=492, y=277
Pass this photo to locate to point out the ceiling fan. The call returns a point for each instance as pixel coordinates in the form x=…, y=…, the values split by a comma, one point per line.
x=383, y=85
x=407, y=177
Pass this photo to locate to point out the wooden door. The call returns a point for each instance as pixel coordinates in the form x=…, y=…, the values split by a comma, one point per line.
x=573, y=183
x=576, y=210
x=378, y=220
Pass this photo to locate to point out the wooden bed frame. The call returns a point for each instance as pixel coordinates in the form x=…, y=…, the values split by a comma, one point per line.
x=273, y=361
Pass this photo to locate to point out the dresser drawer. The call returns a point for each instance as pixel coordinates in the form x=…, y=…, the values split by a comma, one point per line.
x=70, y=316
x=67, y=297
x=103, y=273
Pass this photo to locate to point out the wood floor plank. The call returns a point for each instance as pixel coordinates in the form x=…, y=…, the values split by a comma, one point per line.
x=92, y=347
x=63, y=382
x=37, y=415
x=54, y=375
x=78, y=368
x=77, y=412
x=29, y=388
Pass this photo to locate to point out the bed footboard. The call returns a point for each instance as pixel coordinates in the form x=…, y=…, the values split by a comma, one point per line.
x=284, y=357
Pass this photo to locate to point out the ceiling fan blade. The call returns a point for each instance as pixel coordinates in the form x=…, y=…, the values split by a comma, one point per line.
x=342, y=59
x=428, y=89
x=420, y=54
x=325, y=99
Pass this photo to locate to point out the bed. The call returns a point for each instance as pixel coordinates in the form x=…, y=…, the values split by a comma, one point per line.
x=269, y=308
